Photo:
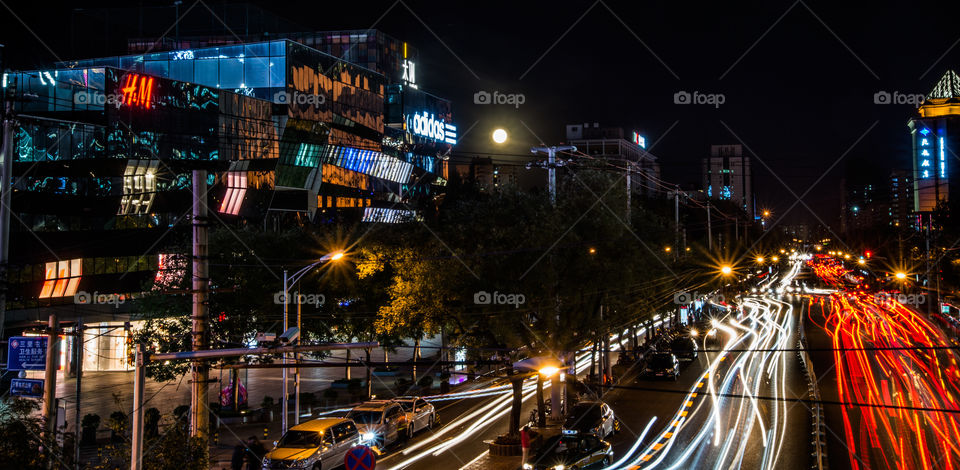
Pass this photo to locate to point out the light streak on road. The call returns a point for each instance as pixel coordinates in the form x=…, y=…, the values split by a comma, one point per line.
x=766, y=324
x=897, y=428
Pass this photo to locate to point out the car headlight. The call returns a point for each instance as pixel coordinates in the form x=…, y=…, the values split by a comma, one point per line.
x=266, y=462
x=560, y=467
x=368, y=436
x=527, y=466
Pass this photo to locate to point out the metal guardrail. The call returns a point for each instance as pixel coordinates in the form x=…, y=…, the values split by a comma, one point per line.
x=818, y=435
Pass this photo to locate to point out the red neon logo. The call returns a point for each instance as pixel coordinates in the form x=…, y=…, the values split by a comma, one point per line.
x=137, y=90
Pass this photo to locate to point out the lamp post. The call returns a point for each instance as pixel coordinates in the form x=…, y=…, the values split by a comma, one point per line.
x=288, y=280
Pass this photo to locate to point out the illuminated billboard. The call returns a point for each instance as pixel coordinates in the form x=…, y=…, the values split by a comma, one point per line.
x=930, y=159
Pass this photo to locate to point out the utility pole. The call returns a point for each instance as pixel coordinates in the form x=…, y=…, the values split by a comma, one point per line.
x=552, y=166
x=139, y=381
x=199, y=415
x=50, y=381
x=6, y=180
x=76, y=419
x=296, y=372
x=629, y=192
x=676, y=222
x=285, y=399
x=709, y=229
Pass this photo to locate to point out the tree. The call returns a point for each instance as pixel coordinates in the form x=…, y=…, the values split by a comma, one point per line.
x=22, y=444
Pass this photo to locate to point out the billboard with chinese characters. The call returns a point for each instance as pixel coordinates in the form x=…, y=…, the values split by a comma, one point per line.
x=929, y=144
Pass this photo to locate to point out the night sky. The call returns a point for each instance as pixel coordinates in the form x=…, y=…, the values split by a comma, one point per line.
x=798, y=78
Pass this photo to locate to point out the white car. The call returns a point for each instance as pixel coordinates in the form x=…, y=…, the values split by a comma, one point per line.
x=419, y=414
x=591, y=417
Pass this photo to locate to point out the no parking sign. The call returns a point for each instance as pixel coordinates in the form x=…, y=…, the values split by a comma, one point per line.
x=360, y=458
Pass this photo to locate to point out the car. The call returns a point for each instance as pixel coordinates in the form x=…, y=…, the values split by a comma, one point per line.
x=684, y=347
x=419, y=414
x=571, y=451
x=663, y=364
x=318, y=444
x=379, y=422
x=592, y=417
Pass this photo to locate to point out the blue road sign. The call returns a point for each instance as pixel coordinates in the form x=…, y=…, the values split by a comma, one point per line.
x=27, y=353
x=32, y=388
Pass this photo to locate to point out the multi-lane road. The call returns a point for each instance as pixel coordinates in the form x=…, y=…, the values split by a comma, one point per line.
x=889, y=379
x=733, y=407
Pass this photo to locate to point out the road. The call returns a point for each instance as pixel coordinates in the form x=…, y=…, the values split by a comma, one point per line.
x=722, y=412
x=739, y=413
x=891, y=369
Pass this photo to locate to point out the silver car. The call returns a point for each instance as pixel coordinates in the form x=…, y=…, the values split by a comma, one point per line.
x=419, y=414
x=379, y=422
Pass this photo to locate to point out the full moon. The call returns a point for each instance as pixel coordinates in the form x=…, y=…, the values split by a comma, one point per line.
x=499, y=136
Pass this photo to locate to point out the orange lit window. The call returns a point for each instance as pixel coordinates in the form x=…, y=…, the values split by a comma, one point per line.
x=61, y=278
x=236, y=190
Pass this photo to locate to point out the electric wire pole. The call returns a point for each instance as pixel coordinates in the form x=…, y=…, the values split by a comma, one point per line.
x=552, y=166
x=199, y=415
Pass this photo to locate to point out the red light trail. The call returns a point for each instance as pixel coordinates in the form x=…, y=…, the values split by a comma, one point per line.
x=880, y=436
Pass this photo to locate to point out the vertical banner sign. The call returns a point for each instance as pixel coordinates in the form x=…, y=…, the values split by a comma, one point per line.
x=27, y=353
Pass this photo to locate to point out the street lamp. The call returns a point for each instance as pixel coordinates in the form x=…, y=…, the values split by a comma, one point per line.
x=499, y=136
x=760, y=260
x=901, y=275
x=289, y=280
x=549, y=371
x=726, y=270
x=775, y=259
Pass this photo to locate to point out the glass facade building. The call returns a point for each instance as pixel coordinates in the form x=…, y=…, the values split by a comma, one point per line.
x=105, y=148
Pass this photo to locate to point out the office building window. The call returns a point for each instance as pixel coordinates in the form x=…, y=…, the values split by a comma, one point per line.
x=139, y=187
x=61, y=278
x=236, y=190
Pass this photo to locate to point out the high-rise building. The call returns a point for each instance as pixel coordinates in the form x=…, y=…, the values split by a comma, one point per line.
x=727, y=176
x=900, y=203
x=612, y=143
x=935, y=131
x=861, y=205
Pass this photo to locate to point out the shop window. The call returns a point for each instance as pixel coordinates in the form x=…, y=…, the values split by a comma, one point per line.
x=61, y=278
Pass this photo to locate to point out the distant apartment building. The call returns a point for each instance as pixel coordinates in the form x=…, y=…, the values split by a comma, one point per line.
x=613, y=143
x=727, y=176
x=900, y=199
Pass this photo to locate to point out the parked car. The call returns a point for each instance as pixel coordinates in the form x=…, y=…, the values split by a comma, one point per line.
x=571, y=451
x=663, y=364
x=592, y=417
x=419, y=414
x=318, y=444
x=378, y=421
x=684, y=347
